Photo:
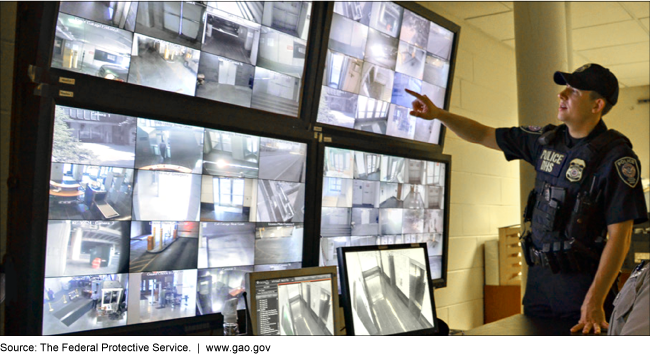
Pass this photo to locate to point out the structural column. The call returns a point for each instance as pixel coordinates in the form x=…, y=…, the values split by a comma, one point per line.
x=541, y=49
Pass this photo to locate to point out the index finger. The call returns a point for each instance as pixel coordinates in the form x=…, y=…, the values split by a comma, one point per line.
x=413, y=93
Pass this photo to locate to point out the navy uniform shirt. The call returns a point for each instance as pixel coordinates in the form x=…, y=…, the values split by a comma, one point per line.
x=619, y=170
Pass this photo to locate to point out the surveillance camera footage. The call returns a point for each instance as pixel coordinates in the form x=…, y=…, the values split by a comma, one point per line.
x=170, y=147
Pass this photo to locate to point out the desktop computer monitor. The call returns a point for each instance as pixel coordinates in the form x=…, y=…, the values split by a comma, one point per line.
x=386, y=290
x=294, y=302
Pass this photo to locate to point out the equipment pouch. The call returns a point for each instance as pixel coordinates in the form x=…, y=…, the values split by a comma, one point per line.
x=582, y=218
x=526, y=242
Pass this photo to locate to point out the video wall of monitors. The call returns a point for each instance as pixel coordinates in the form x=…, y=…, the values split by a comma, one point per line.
x=378, y=199
x=250, y=54
x=151, y=220
x=375, y=51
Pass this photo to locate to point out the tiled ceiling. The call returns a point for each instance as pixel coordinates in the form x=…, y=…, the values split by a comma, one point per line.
x=614, y=34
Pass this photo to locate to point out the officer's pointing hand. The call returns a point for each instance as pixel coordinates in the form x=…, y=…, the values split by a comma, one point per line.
x=423, y=107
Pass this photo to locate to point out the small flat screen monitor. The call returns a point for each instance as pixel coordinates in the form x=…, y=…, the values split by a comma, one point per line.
x=386, y=290
x=294, y=302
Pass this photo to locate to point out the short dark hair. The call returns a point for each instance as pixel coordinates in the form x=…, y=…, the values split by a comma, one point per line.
x=595, y=96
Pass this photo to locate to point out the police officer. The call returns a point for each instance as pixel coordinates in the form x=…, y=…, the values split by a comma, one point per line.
x=631, y=314
x=587, y=187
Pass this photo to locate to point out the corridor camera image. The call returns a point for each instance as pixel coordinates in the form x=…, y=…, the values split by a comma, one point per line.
x=376, y=50
x=218, y=285
x=415, y=30
x=366, y=194
x=173, y=21
x=388, y=195
x=281, y=53
x=348, y=37
x=227, y=199
x=248, y=10
x=335, y=221
x=436, y=71
x=337, y=192
x=291, y=17
x=381, y=49
x=365, y=221
x=277, y=243
x=282, y=160
x=91, y=48
x=93, y=137
x=223, y=244
x=440, y=42
x=90, y=192
x=376, y=82
x=337, y=108
x=390, y=220
x=280, y=201
x=275, y=92
x=77, y=248
x=224, y=80
x=413, y=221
x=435, y=196
x=161, y=295
x=117, y=14
x=168, y=146
x=277, y=267
x=231, y=154
x=157, y=246
x=329, y=248
x=79, y=303
x=231, y=36
x=435, y=265
x=410, y=60
x=163, y=65
x=305, y=308
x=166, y=196
x=338, y=163
x=392, y=169
x=389, y=291
x=342, y=72
x=372, y=115
x=366, y=166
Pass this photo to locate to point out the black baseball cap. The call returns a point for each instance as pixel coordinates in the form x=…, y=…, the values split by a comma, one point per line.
x=592, y=77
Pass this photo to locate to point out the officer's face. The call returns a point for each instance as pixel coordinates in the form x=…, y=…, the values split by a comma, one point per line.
x=575, y=105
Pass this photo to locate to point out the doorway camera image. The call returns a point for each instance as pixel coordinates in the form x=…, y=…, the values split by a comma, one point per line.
x=225, y=80
x=227, y=199
x=167, y=146
x=231, y=154
x=159, y=246
x=231, y=36
x=173, y=21
x=215, y=286
x=117, y=14
x=166, y=196
x=305, y=308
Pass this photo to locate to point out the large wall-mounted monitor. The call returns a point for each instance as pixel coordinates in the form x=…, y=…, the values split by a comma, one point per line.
x=294, y=302
x=387, y=290
x=375, y=51
x=380, y=199
x=151, y=220
x=250, y=54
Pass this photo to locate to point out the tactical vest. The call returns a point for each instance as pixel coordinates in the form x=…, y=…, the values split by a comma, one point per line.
x=566, y=232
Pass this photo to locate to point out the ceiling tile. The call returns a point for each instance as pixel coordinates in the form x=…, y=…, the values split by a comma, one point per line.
x=646, y=23
x=500, y=26
x=510, y=43
x=588, y=13
x=627, y=53
x=469, y=9
x=632, y=82
x=637, y=72
x=608, y=35
x=639, y=9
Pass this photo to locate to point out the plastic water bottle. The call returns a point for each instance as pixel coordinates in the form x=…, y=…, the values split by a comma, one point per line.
x=229, y=312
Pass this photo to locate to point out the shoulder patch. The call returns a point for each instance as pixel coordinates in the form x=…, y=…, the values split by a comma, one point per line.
x=532, y=129
x=628, y=170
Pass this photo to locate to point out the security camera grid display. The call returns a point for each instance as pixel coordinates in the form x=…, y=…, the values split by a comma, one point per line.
x=376, y=199
x=375, y=51
x=388, y=291
x=220, y=51
x=163, y=204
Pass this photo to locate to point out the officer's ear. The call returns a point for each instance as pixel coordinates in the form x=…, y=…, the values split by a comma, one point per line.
x=599, y=104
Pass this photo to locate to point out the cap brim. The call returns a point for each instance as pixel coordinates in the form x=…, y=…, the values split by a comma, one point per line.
x=560, y=78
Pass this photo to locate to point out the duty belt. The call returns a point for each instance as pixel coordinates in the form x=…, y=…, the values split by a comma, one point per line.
x=561, y=257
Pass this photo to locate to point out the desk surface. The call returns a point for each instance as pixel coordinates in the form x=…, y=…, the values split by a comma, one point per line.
x=520, y=324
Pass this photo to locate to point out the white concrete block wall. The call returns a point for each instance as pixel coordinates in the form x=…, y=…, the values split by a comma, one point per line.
x=484, y=186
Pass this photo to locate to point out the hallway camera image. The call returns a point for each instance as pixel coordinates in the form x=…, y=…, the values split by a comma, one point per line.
x=74, y=304
x=276, y=92
x=306, y=308
x=335, y=221
x=227, y=199
x=366, y=166
x=163, y=65
x=282, y=160
x=436, y=71
x=402, y=81
x=231, y=154
x=366, y=194
x=427, y=130
x=86, y=248
x=440, y=42
x=218, y=285
x=281, y=53
x=337, y=192
x=389, y=290
x=365, y=221
x=329, y=248
x=117, y=14
x=290, y=17
x=415, y=29
x=93, y=137
x=277, y=243
x=231, y=36
x=348, y=37
x=90, y=192
x=376, y=82
x=372, y=115
x=174, y=21
x=91, y=48
x=381, y=49
x=400, y=123
x=338, y=163
x=248, y=10
x=169, y=146
x=223, y=244
x=342, y=72
x=224, y=80
x=157, y=246
x=354, y=10
x=337, y=108
x=280, y=201
x=165, y=196
x=386, y=17
x=410, y=60
x=161, y=295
